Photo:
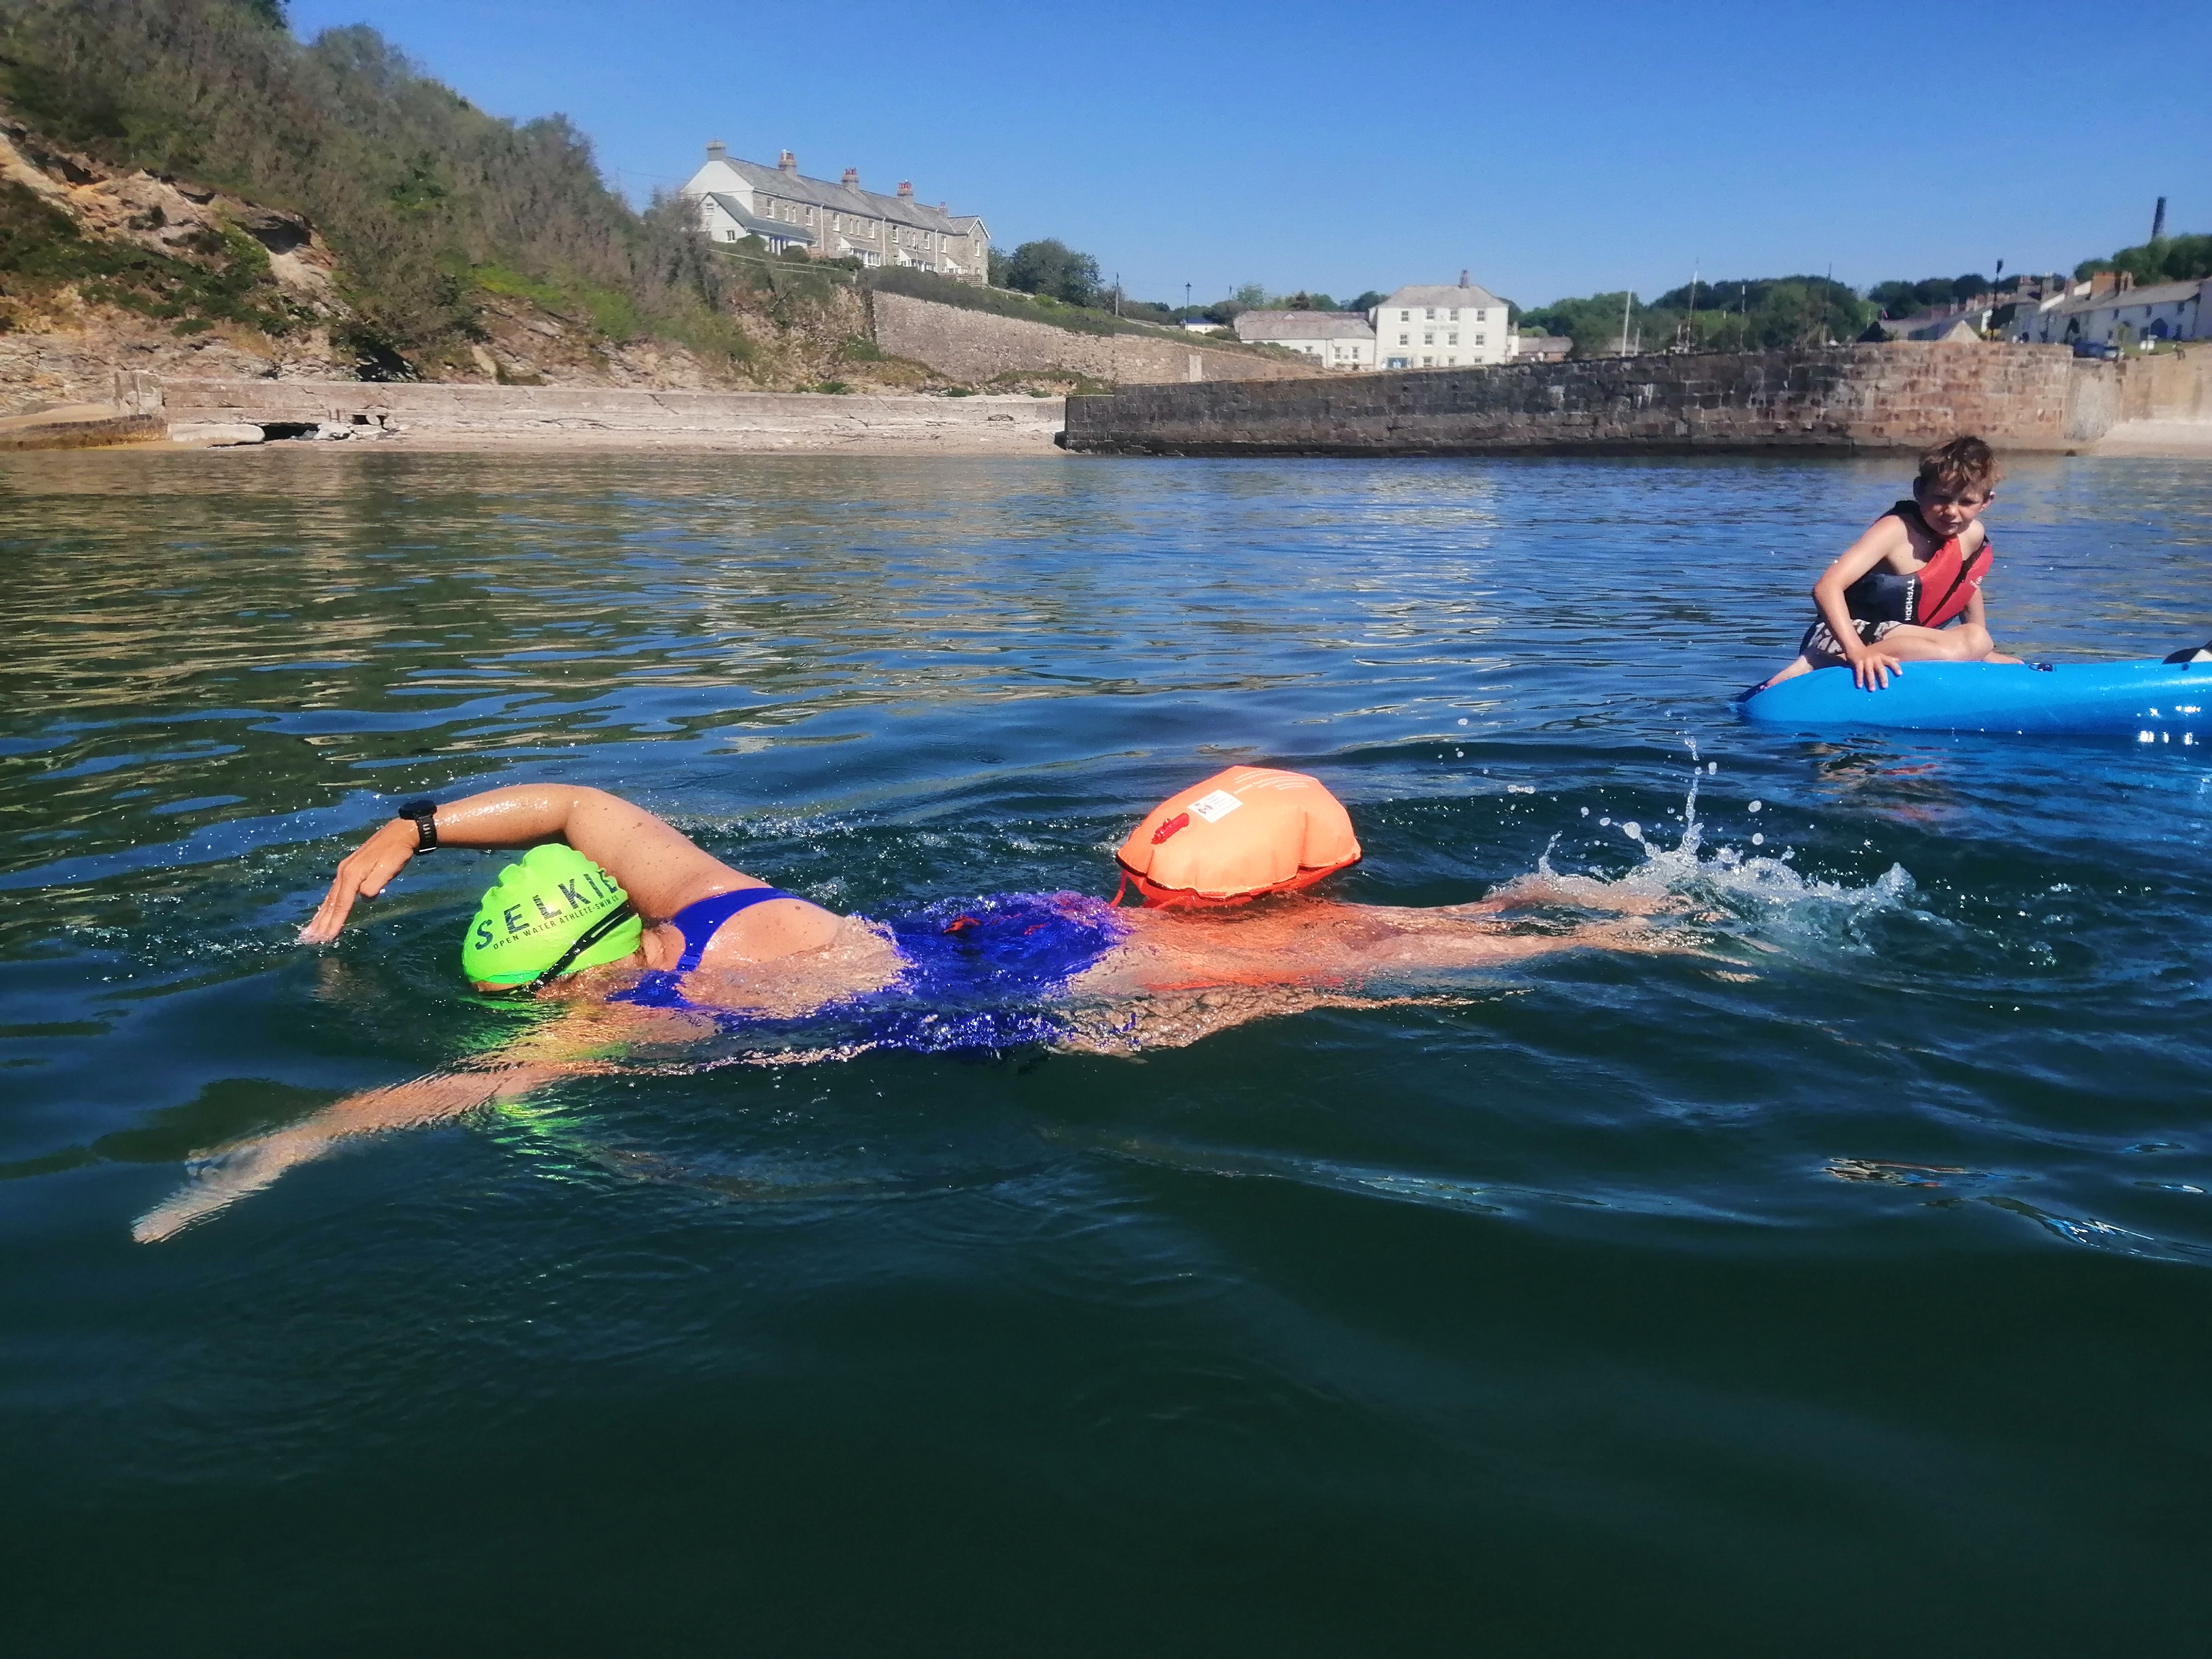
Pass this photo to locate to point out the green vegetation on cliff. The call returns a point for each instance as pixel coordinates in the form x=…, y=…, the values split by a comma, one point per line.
x=226, y=281
x=428, y=201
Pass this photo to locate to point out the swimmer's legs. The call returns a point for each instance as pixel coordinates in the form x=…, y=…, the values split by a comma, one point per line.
x=1580, y=892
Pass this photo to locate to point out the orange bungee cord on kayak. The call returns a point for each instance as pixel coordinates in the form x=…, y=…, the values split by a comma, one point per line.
x=1240, y=835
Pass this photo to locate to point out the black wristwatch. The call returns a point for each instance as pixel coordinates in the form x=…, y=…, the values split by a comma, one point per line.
x=424, y=812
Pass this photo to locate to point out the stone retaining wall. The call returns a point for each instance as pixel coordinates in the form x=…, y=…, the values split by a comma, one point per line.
x=980, y=345
x=80, y=426
x=746, y=419
x=2171, y=387
x=1871, y=397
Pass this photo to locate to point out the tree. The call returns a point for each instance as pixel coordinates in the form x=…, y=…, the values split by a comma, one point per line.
x=1053, y=268
x=2166, y=259
x=1368, y=301
x=1964, y=289
x=1896, y=299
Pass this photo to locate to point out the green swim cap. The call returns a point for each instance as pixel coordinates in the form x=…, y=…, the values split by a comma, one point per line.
x=538, y=910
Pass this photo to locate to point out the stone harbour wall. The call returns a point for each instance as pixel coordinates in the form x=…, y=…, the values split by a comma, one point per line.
x=1900, y=396
x=975, y=346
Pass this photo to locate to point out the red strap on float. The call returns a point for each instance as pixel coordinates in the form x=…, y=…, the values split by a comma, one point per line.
x=1157, y=897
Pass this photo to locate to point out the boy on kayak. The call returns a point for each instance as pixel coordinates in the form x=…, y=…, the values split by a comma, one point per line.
x=1893, y=596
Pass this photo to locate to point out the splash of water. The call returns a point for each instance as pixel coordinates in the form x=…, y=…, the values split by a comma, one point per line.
x=1754, y=886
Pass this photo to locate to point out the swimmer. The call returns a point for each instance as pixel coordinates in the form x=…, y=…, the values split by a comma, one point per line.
x=633, y=934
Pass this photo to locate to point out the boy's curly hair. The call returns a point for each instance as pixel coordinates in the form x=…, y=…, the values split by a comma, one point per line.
x=1964, y=466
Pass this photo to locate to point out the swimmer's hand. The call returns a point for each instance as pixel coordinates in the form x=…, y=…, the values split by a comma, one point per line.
x=365, y=873
x=230, y=1173
x=1871, y=668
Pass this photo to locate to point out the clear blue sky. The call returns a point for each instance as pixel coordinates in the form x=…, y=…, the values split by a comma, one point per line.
x=1550, y=151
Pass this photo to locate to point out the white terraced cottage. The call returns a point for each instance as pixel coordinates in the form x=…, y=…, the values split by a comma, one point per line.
x=787, y=209
x=1335, y=339
x=1442, y=327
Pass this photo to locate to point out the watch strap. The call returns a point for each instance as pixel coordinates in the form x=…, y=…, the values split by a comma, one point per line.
x=424, y=814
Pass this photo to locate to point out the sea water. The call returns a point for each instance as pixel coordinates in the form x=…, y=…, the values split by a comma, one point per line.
x=1842, y=1279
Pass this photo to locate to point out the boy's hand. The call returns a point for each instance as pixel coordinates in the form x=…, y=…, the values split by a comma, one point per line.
x=1871, y=668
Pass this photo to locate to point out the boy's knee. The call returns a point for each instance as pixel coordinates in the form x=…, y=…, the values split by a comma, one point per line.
x=1970, y=643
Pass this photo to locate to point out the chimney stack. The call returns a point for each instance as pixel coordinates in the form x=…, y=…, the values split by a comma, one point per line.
x=717, y=150
x=2158, y=221
x=852, y=177
x=787, y=162
x=1462, y=280
x=906, y=189
x=2102, y=282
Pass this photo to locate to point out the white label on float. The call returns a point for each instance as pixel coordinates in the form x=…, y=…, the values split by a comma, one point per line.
x=1215, y=806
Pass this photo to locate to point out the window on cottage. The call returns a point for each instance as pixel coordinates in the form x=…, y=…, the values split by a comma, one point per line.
x=1428, y=338
x=1454, y=316
x=1405, y=339
x=1405, y=317
x=1479, y=338
x=1449, y=360
x=1454, y=340
x=1428, y=363
x=1480, y=316
x=1432, y=313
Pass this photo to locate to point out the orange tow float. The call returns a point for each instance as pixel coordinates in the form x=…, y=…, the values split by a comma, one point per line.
x=1240, y=835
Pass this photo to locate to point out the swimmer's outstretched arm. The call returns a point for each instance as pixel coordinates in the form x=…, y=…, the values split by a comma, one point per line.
x=571, y=1047
x=660, y=868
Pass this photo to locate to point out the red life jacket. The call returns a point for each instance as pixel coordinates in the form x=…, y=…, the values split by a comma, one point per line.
x=1937, y=593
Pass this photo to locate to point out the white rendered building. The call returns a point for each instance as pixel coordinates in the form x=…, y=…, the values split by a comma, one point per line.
x=1442, y=327
x=2107, y=313
x=786, y=210
x=1335, y=339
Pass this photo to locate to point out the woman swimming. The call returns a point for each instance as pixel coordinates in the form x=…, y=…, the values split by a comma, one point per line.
x=640, y=936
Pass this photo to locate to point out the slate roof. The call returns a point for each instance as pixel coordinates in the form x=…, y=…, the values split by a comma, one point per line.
x=1302, y=326
x=782, y=230
x=2161, y=294
x=850, y=199
x=1443, y=296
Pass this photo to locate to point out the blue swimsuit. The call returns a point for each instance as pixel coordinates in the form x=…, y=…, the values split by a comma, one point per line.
x=975, y=971
x=663, y=988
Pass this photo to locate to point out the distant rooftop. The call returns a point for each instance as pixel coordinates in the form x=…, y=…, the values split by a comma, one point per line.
x=753, y=225
x=793, y=186
x=1467, y=293
x=1302, y=326
x=2161, y=294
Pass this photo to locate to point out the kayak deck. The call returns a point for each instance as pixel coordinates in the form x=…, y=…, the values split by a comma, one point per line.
x=2151, y=701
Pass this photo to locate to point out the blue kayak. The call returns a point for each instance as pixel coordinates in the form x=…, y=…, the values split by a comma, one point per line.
x=2150, y=701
